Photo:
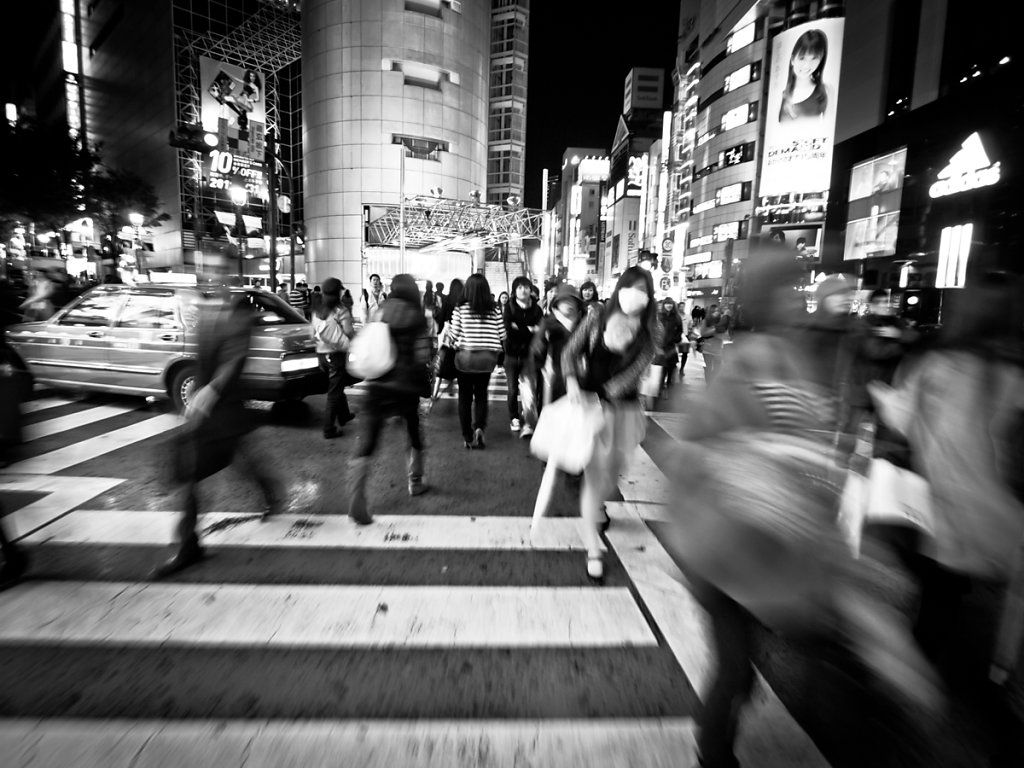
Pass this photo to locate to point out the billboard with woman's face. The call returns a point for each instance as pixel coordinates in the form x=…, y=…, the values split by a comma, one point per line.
x=800, y=116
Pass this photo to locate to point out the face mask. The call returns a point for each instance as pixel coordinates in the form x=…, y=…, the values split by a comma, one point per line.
x=633, y=300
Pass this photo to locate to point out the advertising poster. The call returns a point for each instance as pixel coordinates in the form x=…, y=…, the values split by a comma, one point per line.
x=876, y=192
x=800, y=116
x=232, y=102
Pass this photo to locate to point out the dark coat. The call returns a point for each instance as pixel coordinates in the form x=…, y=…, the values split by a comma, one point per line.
x=549, y=341
x=518, y=322
x=409, y=331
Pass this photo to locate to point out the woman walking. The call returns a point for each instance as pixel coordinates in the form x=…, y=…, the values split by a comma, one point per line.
x=476, y=333
x=608, y=354
x=333, y=330
x=396, y=392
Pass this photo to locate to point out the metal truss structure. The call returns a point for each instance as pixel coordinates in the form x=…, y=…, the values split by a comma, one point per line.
x=436, y=224
x=268, y=41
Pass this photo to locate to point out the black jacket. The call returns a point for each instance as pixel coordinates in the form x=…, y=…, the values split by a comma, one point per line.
x=408, y=328
x=549, y=341
x=518, y=322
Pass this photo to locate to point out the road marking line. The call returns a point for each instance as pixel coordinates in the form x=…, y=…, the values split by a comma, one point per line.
x=147, y=614
x=455, y=532
x=62, y=495
x=645, y=743
x=73, y=421
x=85, y=450
x=43, y=403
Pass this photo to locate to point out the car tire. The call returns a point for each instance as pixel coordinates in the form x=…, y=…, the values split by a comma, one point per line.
x=182, y=386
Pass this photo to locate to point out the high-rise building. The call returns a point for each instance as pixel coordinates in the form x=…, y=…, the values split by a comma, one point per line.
x=578, y=213
x=363, y=101
x=926, y=184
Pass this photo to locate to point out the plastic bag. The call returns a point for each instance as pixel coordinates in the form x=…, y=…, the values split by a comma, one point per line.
x=372, y=352
x=566, y=432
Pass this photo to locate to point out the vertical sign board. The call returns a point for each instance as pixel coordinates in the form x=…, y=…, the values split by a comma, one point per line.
x=233, y=108
x=800, y=114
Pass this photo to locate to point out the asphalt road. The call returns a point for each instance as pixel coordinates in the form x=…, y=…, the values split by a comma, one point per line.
x=619, y=670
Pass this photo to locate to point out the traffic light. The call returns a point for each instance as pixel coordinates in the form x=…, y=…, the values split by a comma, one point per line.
x=192, y=137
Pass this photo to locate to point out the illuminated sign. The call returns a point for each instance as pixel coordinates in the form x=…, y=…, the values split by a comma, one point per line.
x=701, y=241
x=705, y=206
x=968, y=169
x=711, y=270
x=739, y=116
x=637, y=174
x=233, y=106
x=742, y=76
x=741, y=37
x=696, y=258
x=576, y=200
x=593, y=169
x=730, y=194
x=728, y=231
x=876, y=191
x=800, y=114
x=227, y=169
x=954, y=251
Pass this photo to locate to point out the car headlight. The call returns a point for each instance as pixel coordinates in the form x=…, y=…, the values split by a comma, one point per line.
x=292, y=364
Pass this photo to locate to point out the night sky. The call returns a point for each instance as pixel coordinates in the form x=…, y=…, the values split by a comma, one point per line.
x=580, y=53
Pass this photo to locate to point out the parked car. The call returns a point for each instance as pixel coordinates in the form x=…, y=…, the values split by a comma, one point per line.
x=142, y=340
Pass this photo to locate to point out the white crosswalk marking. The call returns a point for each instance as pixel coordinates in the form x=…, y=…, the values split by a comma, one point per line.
x=440, y=532
x=73, y=421
x=63, y=458
x=43, y=403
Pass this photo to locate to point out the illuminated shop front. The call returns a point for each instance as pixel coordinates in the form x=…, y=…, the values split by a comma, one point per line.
x=926, y=202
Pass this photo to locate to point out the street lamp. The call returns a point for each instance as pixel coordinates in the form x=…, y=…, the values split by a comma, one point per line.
x=240, y=196
x=136, y=220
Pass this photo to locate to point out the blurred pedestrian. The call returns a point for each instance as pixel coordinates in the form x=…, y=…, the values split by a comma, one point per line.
x=683, y=347
x=15, y=388
x=754, y=529
x=477, y=333
x=38, y=305
x=375, y=297
x=298, y=297
x=397, y=392
x=711, y=336
x=430, y=313
x=283, y=293
x=589, y=293
x=521, y=318
x=333, y=331
x=217, y=428
x=608, y=354
x=671, y=335
x=548, y=344
x=961, y=407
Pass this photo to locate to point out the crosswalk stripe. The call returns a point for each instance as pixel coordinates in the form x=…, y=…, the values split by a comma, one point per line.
x=44, y=403
x=606, y=743
x=73, y=421
x=133, y=614
x=63, y=458
x=451, y=532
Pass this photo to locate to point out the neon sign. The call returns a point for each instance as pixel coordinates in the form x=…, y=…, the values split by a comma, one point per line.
x=970, y=168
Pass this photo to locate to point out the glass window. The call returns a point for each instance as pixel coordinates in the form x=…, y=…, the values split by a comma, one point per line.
x=141, y=311
x=271, y=310
x=95, y=310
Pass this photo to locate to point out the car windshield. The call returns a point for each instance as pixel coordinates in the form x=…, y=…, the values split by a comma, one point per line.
x=270, y=309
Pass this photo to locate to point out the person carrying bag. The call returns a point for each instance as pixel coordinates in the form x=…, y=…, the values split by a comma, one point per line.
x=333, y=331
x=477, y=333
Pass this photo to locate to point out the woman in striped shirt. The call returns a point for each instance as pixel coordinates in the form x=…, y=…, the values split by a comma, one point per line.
x=477, y=333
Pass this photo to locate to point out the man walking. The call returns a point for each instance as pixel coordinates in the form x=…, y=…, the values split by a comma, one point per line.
x=217, y=427
x=521, y=318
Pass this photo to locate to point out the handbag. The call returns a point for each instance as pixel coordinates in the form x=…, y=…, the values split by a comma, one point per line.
x=650, y=385
x=198, y=451
x=372, y=352
x=446, y=363
x=566, y=432
x=476, y=360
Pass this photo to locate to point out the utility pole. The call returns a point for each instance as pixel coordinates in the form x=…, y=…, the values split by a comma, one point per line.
x=271, y=156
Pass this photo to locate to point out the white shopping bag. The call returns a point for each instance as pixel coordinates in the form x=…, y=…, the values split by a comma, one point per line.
x=650, y=385
x=566, y=432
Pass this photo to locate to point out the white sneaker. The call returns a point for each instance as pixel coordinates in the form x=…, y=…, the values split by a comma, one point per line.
x=527, y=431
x=516, y=425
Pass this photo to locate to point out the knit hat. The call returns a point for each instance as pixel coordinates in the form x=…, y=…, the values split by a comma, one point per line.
x=331, y=286
x=566, y=291
x=832, y=285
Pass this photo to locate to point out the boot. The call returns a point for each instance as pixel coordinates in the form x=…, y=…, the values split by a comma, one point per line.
x=188, y=554
x=357, y=510
x=416, y=486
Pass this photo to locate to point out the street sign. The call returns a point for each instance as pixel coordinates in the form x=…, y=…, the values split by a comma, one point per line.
x=666, y=283
x=284, y=203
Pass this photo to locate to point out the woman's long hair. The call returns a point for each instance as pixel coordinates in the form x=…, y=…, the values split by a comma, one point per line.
x=630, y=278
x=323, y=304
x=811, y=43
x=454, y=297
x=477, y=295
x=404, y=288
x=428, y=295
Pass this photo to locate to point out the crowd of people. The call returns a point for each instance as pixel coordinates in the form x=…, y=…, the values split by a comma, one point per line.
x=764, y=457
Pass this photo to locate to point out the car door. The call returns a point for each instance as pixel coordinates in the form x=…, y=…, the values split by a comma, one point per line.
x=79, y=340
x=146, y=338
